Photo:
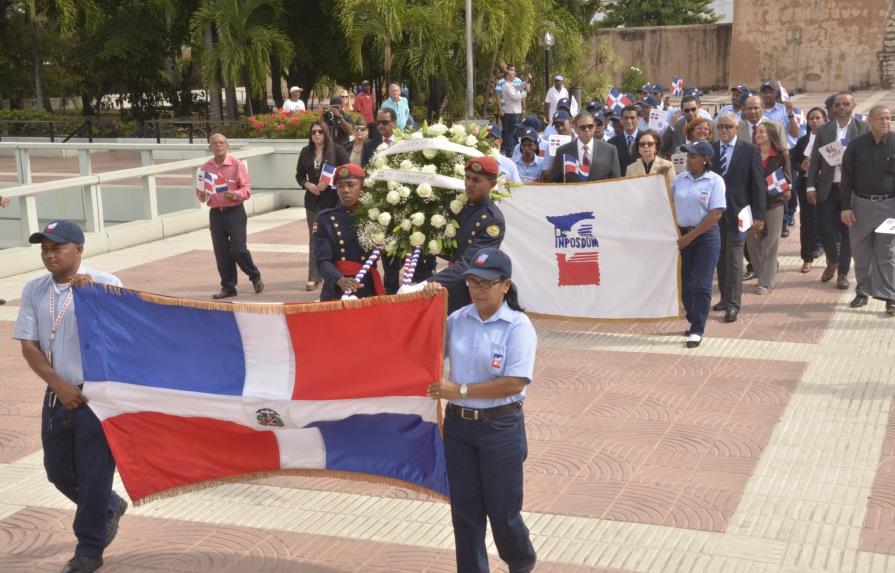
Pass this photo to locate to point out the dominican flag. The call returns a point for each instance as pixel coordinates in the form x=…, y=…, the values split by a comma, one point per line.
x=210, y=183
x=572, y=166
x=191, y=392
x=799, y=117
x=677, y=86
x=327, y=174
x=777, y=182
x=617, y=101
x=784, y=95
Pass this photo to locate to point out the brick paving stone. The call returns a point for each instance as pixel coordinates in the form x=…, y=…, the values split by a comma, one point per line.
x=878, y=533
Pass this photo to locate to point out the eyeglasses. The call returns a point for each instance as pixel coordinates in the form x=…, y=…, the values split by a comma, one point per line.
x=586, y=126
x=481, y=285
x=646, y=144
x=384, y=121
x=316, y=132
x=360, y=128
x=726, y=126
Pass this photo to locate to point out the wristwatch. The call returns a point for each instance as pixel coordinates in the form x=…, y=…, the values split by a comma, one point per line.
x=464, y=390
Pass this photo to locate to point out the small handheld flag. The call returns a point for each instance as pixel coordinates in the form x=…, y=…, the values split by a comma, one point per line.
x=677, y=86
x=784, y=95
x=327, y=174
x=571, y=165
x=777, y=182
x=211, y=183
x=616, y=100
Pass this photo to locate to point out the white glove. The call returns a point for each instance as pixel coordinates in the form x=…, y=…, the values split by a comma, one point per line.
x=348, y=297
x=406, y=289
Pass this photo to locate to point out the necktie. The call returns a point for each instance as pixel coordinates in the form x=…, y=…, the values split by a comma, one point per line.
x=723, y=164
x=754, y=133
x=586, y=160
x=630, y=145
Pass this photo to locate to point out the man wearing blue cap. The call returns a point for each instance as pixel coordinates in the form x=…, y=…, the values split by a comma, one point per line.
x=562, y=125
x=736, y=102
x=529, y=165
x=555, y=95
x=76, y=456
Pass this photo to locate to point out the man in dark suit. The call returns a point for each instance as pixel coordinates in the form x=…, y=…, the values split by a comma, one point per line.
x=823, y=187
x=386, y=120
x=674, y=136
x=600, y=157
x=624, y=141
x=739, y=163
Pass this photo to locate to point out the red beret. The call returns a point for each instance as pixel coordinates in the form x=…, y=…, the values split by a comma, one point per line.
x=486, y=165
x=349, y=171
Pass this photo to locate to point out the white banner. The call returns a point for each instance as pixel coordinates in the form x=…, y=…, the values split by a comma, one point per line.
x=415, y=178
x=412, y=145
x=603, y=250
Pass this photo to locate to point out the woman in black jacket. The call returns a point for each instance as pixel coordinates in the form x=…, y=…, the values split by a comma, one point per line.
x=319, y=152
x=799, y=156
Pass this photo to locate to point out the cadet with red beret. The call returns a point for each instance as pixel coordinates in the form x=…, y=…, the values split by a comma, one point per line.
x=338, y=251
x=481, y=225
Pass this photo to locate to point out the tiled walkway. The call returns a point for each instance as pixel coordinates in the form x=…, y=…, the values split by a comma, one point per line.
x=770, y=448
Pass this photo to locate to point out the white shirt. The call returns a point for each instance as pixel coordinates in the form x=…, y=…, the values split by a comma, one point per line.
x=590, y=151
x=553, y=98
x=841, y=133
x=511, y=94
x=290, y=106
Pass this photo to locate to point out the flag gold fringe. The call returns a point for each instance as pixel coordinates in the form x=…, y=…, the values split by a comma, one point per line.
x=243, y=478
x=273, y=308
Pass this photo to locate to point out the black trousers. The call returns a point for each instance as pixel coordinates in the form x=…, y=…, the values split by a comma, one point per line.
x=730, y=264
x=228, y=237
x=391, y=280
x=831, y=226
x=807, y=225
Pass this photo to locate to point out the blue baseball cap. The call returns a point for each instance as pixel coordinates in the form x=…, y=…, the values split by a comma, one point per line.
x=741, y=89
x=561, y=116
x=493, y=130
x=532, y=121
x=657, y=88
x=594, y=106
x=59, y=232
x=529, y=133
x=650, y=101
x=490, y=264
x=564, y=103
x=700, y=148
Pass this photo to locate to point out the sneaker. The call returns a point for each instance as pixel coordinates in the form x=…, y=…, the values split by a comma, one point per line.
x=761, y=290
x=112, y=523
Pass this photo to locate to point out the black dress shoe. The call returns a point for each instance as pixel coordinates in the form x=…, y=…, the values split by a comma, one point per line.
x=785, y=232
x=859, y=301
x=694, y=341
x=223, y=294
x=731, y=314
x=720, y=306
x=890, y=306
x=112, y=523
x=83, y=565
x=749, y=275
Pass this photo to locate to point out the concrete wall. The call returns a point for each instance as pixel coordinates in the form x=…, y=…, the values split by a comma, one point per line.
x=700, y=54
x=812, y=45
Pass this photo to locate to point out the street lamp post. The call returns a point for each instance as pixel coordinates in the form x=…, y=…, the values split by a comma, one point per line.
x=470, y=78
x=548, y=43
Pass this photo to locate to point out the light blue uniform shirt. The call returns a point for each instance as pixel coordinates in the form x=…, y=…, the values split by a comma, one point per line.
x=402, y=110
x=508, y=170
x=694, y=198
x=35, y=322
x=503, y=345
x=530, y=173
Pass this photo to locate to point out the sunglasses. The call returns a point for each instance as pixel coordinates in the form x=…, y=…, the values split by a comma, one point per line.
x=316, y=132
x=360, y=128
x=726, y=126
x=586, y=126
x=646, y=144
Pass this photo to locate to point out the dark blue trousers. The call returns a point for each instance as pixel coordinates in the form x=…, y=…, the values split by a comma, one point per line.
x=484, y=463
x=228, y=237
x=508, y=133
x=79, y=463
x=697, y=267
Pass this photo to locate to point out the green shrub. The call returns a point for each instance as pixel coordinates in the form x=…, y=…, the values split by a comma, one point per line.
x=632, y=80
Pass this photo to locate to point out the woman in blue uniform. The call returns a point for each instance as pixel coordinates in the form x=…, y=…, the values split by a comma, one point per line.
x=491, y=345
x=699, y=203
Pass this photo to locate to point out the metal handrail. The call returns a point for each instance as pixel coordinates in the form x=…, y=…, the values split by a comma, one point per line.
x=110, y=176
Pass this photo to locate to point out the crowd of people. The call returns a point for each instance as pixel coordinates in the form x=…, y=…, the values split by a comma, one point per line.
x=754, y=155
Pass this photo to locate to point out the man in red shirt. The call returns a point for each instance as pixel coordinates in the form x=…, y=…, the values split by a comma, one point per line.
x=224, y=184
x=363, y=103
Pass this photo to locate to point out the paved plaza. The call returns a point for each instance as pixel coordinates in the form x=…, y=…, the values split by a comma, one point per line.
x=769, y=448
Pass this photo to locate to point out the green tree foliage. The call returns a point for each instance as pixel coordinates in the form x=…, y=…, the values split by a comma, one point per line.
x=632, y=13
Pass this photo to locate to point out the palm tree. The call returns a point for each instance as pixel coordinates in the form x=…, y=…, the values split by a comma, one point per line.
x=245, y=43
x=377, y=22
x=39, y=14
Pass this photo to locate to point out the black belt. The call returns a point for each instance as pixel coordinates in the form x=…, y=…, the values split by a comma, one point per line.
x=875, y=197
x=685, y=230
x=482, y=414
x=225, y=209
